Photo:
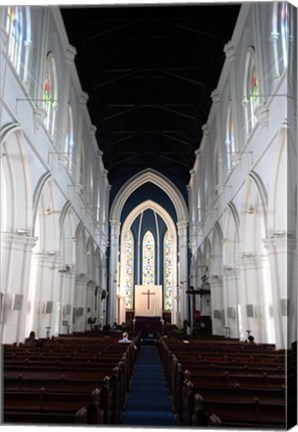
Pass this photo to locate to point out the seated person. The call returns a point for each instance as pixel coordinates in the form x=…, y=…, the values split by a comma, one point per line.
x=125, y=338
x=251, y=339
x=31, y=337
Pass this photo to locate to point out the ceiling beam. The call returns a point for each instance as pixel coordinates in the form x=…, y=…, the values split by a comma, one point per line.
x=108, y=31
x=154, y=106
x=150, y=70
x=189, y=29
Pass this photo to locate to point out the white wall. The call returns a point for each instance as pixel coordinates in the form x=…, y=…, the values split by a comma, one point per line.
x=253, y=209
x=53, y=201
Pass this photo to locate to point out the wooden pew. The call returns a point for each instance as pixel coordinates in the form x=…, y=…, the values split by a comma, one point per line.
x=273, y=397
x=219, y=370
x=238, y=414
x=38, y=417
x=46, y=401
x=68, y=383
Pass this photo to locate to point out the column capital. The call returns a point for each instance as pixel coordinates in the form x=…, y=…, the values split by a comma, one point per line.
x=47, y=259
x=215, y=96
x=229, y=272
x=192, y=172
x=216, y=280
x=206, y=130
x=282, y=243
x=70, y=54
x=229, y=50
x=198, y=153
x=81, y=278
x=115, y=226
x=262, y=114
x=17, y=241
x=248, y=259
x=92, y=131
x=84, y=98
x=182, y=225
x=99, y=154
x=274, y=36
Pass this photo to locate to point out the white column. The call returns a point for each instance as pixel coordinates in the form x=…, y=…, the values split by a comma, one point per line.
x=216, y=292
x=255, y=298
x=281, y=255
x=113, y=275
x=90, y=302
x=183, y=272
x=16, y=255
x=43, y=280
x=67, y=301
x=230, y=300
x=80, y=302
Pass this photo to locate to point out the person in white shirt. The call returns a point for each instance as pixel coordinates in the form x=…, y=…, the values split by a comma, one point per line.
x=125, y=338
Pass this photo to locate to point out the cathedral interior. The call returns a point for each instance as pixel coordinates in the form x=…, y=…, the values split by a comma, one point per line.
x=149, y=186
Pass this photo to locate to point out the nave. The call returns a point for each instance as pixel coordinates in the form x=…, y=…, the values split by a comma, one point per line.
x=148, y=401
x=173, y=381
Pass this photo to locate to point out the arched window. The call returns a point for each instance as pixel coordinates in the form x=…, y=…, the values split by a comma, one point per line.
x=50, y=94
x=215, y=168
x=129, y=269
x=98, y=205
x=250, y=96
x=69, y=144
x=148, y=259
x=230, y=141
x=280, y=34
x=16, y=24
x=168, y=270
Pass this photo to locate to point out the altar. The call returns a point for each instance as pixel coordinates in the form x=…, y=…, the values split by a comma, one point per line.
x=148, y=300
x=148, y=326
x=148, y=310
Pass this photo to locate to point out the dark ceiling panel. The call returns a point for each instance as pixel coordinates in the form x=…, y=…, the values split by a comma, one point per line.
x=149, y=72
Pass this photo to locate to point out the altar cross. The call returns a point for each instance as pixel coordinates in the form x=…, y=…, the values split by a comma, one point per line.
x=148, y=293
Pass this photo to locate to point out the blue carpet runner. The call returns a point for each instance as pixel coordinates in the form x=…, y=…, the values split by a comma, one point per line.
x=148, y=402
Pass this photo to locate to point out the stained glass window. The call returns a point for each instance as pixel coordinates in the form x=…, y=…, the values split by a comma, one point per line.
x=148, y=259
x=129, y=253
x=230, y=141
x=15, y=31
x=50, y=93
x=69, y=138
x=168, y=270
x=283, y=15
x=250, y=91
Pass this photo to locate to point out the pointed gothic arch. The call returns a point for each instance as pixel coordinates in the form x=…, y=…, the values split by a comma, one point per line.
x=149, y=176
x=125, y=233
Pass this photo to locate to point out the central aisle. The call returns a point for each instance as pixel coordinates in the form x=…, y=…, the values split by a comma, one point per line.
x=148, y=402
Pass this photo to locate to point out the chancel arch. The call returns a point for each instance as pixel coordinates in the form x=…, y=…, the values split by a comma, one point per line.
x=178, y=203
x=148, y=222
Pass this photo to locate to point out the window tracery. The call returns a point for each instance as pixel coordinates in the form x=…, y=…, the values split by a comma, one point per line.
x=148, y=259
x=250, y=98
x=129, y=268
x=230, y=140
x=168, y=271
x=50, y=93
x=18, y=29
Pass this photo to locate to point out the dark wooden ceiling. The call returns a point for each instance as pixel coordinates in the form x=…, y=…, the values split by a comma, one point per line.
x=149, y=72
